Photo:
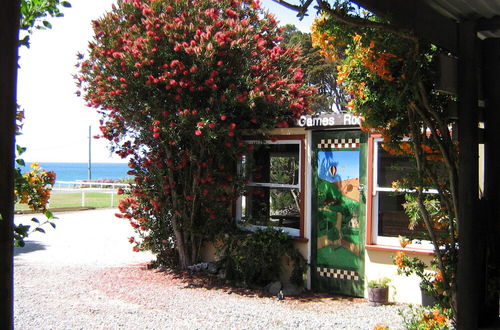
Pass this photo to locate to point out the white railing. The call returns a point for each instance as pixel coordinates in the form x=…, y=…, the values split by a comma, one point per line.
x=88, y=186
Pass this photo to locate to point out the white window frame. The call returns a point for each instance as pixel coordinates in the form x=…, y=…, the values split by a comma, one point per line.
x=249, y=227
x=387, y=240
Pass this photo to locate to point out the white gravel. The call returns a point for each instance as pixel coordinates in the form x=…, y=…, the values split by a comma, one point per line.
x=84, y=275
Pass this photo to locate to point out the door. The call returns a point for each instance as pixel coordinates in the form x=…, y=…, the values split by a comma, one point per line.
x=338, y=211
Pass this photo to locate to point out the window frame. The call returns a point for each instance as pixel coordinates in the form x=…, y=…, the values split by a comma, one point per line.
x=374, y=237
x=273, y=140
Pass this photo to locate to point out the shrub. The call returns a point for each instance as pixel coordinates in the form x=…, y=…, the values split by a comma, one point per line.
x=256, y=258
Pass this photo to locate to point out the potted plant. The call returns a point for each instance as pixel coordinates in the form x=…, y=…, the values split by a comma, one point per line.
x=378, y=291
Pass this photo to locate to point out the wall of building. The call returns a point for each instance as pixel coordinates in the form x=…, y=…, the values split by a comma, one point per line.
x=403, y=289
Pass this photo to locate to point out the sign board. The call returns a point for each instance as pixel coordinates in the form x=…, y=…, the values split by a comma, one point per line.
x=328, y=120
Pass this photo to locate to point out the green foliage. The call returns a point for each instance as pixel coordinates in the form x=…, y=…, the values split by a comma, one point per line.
x=256, y=258
x=390, y=76
x=21, y=232
x=177, y=84
x=427, y=318
x=318, y=71
x=379, y=283
x=34, y=16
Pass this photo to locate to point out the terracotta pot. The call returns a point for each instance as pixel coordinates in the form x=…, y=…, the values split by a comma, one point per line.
x=378, y=296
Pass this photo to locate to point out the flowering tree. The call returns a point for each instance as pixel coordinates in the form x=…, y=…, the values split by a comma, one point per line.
x=390, y=76
x=177, y=83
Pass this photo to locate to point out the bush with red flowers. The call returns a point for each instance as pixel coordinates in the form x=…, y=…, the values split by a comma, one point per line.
x=177, y=83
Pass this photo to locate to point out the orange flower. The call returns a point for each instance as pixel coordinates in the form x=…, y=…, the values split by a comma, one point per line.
x=399, y=259
x=439, y=276
x=403, y=241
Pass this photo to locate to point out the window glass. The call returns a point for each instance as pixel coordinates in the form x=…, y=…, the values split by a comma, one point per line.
x=391, y=167
x=392, y=219
x=275, y=164
x=265, y=206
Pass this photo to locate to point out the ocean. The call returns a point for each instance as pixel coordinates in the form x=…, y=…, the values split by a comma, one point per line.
x=79, y=171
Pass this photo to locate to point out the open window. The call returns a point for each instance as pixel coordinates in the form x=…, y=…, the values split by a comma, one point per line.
x=273, y=193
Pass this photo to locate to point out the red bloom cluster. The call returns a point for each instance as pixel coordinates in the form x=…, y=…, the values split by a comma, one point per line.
x=177, y=83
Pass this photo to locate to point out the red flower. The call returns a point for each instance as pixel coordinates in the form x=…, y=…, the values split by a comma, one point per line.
x=197, y=132
x=223, y=117
x=131, y=240
x=135, y=249
x=211, y=125
x=120, y=191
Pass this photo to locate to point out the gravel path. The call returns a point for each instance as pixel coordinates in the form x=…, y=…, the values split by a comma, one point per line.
x=83, y=275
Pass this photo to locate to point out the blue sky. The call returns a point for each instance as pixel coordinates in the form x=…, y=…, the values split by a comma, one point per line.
x=345, y=162
x=57, y=122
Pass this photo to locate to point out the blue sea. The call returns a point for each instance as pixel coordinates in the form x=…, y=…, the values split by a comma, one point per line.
x=79, y=171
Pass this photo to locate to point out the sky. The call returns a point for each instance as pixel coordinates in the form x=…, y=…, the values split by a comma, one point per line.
x=56, y=128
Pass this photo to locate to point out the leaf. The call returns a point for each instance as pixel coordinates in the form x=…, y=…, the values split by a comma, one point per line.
x=35, y=220
x=53, y=225
x=19, y=242
x=47, y=24
x=49, y=215
x=20, y=150
x=20, y=162
x=66, y=4
x=40, y=230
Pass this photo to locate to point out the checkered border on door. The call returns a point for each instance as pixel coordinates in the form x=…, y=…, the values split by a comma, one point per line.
x=338, y=273
x=338, y=144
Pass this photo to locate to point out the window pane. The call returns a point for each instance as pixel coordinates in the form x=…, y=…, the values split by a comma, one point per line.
x=265, y=206
x=392, y=219
x=391, y=167
x=274, y=163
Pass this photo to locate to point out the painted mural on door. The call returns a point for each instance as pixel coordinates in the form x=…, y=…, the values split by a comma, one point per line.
x=339, y=211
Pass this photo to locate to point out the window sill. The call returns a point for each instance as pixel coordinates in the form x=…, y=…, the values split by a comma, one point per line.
x=300, y=239
x=389, y=248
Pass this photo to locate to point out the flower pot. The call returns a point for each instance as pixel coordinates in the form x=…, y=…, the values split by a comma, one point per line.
x=378, y=296
x=427, y=299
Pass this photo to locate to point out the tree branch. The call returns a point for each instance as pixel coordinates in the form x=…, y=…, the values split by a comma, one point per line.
x=361, y=22
x=300, y=9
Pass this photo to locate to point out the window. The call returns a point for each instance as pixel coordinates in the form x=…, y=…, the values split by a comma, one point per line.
x=389, y=217
x=273, y=194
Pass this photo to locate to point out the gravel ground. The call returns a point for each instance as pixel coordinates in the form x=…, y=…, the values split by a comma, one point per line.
x=83, y=275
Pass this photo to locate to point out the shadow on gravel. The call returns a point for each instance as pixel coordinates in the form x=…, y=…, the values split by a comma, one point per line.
x=212, y=282
x=30, y=246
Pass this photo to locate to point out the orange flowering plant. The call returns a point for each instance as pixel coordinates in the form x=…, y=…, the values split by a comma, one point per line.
x=33, y=189
x=390, y=76
x=427, y=318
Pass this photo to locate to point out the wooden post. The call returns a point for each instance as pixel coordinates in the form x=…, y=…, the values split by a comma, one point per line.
x=9, y=36
x=491, y=86
x=468, y=220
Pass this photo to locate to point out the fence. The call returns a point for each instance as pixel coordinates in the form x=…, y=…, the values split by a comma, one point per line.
x=89, y=193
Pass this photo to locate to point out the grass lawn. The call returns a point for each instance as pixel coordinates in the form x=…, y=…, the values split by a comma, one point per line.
x=92, y=199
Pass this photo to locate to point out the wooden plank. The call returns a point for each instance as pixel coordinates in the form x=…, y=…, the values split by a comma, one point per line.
x=469, y=240
x=416, y=15
x=9, y=26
